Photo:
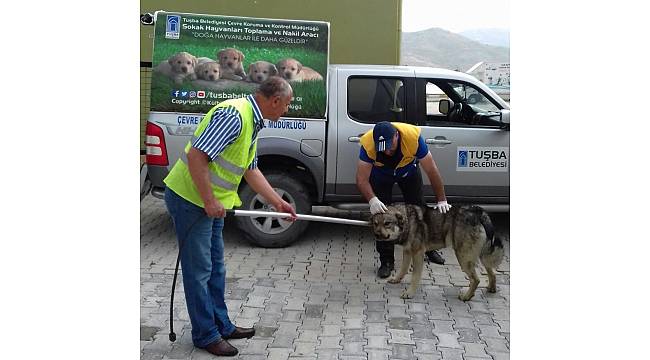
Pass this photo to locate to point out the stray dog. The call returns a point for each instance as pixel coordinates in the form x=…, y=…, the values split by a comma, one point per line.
x=467, y=229
x=207, y=70
x=261, y=70
x=292, y=70
x=178, y=67
x=231, y=62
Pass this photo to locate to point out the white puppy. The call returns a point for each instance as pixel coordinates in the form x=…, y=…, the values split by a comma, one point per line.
x=292, y=70
x=261, y=70
x=178, y=67
x=208, y=70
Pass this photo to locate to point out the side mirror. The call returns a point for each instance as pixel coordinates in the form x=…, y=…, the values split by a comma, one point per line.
x=505, y=119
x=443, y=106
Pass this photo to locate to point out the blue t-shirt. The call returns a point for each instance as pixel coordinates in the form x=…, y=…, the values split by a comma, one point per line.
x=403, y=171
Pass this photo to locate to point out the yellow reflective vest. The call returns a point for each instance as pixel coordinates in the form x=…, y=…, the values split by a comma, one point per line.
x=408, y=137
x=227, y=170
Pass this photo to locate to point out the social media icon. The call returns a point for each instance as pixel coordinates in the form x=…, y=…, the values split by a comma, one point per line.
x=192, y=94
x=184, y=94
x=200, y=94
x=175, y=93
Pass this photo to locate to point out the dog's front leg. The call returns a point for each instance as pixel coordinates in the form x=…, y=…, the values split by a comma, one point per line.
x=404, y=268
x=418, y=264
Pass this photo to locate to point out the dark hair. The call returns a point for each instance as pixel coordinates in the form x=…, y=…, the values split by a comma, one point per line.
x=274, y=86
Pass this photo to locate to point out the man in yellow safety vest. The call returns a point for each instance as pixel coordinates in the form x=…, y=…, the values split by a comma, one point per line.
x=201, y=186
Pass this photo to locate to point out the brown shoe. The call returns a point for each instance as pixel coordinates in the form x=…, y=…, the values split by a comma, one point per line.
x=221, y=348
x=241, y=333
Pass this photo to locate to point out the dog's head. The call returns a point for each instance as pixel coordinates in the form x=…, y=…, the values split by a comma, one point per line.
x=182, y=63
x=261, y=70
x=289, y=68
x=231, y=58
x=208, y=71
x=389, y=225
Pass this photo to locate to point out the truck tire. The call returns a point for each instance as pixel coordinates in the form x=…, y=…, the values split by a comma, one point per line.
x=273, y=232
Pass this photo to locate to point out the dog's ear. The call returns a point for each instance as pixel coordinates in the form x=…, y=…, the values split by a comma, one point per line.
x=250, y=68
x=299, y=67
x=241, y=56
x=401, y=219
x=194, y=60
x=219, y=53
x=273, y=70
x=171, y=60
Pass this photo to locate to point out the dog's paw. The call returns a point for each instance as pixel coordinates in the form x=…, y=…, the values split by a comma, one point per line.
x=407, y=295
x=466, y=296
x=394, y=280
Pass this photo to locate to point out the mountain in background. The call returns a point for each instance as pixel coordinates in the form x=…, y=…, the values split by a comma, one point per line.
x=494, y=37
x=440, y=48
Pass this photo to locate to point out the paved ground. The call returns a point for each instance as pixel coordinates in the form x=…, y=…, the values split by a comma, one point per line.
x=320, y=299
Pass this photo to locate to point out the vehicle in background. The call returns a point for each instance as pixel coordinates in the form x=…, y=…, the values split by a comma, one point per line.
x=495, y=75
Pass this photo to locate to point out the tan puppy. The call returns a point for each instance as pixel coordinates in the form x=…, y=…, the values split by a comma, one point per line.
x=178, y=67
x=231, y=62
x=261, y=70
x=292, y=70
x=208, y=70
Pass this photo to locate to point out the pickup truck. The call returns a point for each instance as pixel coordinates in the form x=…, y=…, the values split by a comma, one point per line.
x=312, y=161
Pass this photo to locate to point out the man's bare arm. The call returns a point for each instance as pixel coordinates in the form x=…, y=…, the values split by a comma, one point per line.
x=198, y=166
x=363, y=176
x=430, y=168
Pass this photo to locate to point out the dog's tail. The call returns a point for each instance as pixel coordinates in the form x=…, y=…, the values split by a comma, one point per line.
x=493, y=241
x=492, y=252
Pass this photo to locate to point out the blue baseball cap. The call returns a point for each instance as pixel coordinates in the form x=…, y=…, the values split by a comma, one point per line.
x=383, y=135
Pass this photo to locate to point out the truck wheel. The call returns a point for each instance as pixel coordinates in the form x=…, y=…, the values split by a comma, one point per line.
x=272, y=232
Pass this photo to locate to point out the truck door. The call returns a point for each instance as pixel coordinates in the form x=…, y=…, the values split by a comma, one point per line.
x=468, y=143
x=365, y=100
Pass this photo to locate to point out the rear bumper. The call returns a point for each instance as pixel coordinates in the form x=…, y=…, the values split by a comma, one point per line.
x=157, y=174
x=158, y=192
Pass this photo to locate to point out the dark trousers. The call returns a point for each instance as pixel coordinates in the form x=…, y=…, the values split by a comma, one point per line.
x=382, y=186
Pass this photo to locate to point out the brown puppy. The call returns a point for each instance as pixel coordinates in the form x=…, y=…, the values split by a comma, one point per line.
x=292, y=70
x=261, y=70
x=178, y=67
x=231, y=61
x=467, y=229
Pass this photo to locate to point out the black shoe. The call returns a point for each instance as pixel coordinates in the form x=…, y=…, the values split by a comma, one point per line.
x=241, y=333
x=434, y=257
x=221, y=347
x=385, y=269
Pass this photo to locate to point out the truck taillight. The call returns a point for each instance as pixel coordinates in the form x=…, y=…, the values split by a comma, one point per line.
x=155, y=143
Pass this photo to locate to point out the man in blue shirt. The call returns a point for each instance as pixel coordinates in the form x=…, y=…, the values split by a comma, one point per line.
x=390, y=154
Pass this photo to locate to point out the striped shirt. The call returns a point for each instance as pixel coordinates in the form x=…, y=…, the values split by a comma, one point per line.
x=224, y=128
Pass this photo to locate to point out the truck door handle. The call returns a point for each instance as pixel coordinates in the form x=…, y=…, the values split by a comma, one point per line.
x=438, y=141
x=354, y=139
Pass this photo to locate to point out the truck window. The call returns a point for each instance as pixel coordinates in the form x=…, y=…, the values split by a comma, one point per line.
x=371, y=100
x=433, y=96
x=472, y=108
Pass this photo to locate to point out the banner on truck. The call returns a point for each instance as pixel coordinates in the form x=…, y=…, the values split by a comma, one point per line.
x=202, y=60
